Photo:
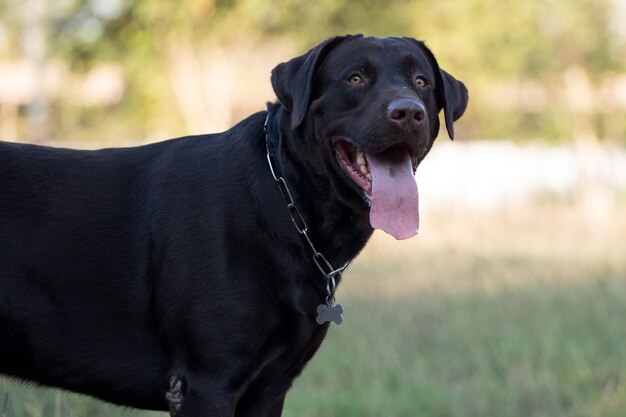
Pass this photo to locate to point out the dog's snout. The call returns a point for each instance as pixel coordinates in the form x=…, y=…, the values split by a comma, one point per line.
x=406, y=113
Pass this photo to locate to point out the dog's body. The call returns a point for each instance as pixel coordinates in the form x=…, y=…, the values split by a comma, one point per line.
x=174, y=269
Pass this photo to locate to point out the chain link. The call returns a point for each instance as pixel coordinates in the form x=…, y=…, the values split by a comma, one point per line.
x=331, y=275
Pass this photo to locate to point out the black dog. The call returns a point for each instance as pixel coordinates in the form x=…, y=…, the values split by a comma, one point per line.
x=175, y=275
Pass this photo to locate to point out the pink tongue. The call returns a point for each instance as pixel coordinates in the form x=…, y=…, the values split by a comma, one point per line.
x=394, y=193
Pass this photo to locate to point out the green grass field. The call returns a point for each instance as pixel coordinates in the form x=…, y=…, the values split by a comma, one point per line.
x=515, y=314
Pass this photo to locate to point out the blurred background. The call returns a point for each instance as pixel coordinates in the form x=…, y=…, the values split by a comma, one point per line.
x=510, y=302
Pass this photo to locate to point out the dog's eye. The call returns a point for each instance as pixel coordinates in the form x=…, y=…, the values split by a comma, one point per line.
x=355, y=79
x=420, y=82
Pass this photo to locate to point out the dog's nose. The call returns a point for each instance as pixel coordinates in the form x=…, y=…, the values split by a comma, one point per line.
x=406, y=113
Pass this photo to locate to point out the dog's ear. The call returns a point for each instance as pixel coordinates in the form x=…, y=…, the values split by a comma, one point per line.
x=455, y=99
x=292, y=80
x=451, y=93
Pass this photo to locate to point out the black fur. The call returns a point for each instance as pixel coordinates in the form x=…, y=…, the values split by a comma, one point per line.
x=173, y=269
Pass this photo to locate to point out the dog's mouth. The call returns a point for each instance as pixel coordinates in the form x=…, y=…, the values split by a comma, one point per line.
x=387, y=178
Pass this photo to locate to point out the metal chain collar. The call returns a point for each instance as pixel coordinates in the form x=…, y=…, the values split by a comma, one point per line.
x=331, y=275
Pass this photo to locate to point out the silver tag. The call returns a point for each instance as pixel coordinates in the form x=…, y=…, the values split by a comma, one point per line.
x=329, y=313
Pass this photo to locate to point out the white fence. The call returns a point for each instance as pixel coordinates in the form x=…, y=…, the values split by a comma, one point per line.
x=487, y=175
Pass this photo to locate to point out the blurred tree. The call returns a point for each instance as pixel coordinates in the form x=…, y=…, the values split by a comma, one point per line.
x=529, y=65
x=524, y=44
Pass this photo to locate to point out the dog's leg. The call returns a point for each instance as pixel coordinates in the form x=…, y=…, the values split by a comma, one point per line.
x=263, y=408
x=264, y=398
x=197, y=396
x=174, y=394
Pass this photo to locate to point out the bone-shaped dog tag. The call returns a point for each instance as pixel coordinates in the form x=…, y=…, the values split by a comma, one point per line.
x=329, y=313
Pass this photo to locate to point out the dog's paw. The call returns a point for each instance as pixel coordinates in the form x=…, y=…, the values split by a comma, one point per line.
x=174, y=394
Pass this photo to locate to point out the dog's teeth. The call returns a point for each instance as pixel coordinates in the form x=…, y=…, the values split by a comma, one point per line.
x=360, y=158
x=362, y=163
x=369, y=176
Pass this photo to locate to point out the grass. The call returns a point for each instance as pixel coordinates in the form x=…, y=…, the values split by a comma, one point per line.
x=481, y=315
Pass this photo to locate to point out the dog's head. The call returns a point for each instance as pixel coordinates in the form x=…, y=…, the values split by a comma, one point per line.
x=367, y=110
